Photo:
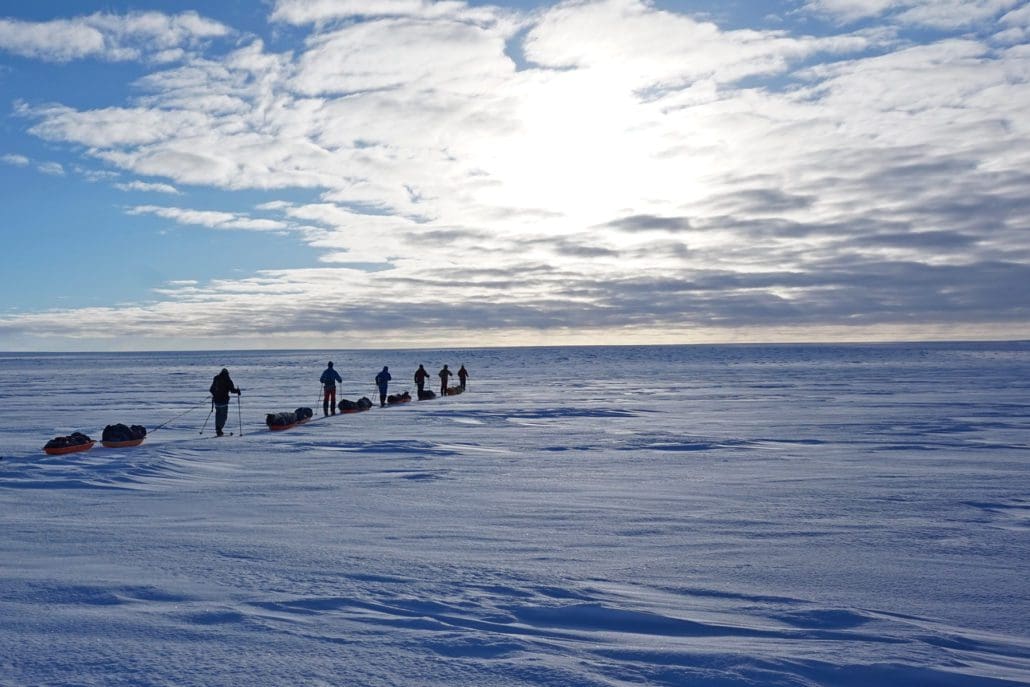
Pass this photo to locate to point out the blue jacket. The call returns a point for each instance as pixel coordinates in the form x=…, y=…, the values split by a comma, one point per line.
x=382, y=378
x=330, y=377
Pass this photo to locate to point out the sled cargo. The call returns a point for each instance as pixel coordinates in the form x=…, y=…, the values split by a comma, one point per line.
x=278, y=422
x=348, y=406
x=123, y=436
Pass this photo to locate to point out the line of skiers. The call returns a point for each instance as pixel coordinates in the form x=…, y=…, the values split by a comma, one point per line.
x=222, y=386
x=382, y=380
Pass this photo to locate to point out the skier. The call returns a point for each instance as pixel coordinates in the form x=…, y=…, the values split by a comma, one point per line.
x=445, y=374
x=382, y=379
x=463, y=376
x=329, y=379
x=221, y=387
x=420, y=379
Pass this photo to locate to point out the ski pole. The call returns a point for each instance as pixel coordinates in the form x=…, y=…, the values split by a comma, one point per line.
x=208, y=417
x=239, y=410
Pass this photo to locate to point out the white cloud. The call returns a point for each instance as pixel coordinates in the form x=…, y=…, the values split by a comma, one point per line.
x=115, y=127
x=949, y=14
x=938, y=14
x=601, y=169
x=638, y=46
x=1018, y=31
x=392, y=53
x=1018, y=17
x=300, y=12
x=147, y=187
x=96, y=175
x=58, y=41
x=16, y=160
x=51, y=168
x=213, y=219
x=851, y=10
x=110, y=37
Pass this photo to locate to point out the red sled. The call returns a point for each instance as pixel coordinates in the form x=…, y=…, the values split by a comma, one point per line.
x=55, y=451
x=280, y=428
x=121, y=444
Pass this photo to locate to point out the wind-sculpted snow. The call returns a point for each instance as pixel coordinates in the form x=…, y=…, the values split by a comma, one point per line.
x=853, y=515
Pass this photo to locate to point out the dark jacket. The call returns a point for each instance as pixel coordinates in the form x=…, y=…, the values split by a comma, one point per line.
x=330, y=377
x=222, y=386
x=421, y=375
x=382, y=378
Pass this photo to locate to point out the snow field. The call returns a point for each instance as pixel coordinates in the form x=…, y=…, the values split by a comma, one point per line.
x=848, y=515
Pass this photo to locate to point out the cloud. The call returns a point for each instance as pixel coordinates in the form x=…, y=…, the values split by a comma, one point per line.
x=51, y=168
x=842, y=299
x=110, y=37
x=397, y=52
x=851, y=10
x=1016, y=25
x=605, y=166
x=147, y=187
x=209, y=218
x=938, y=14
x=1018, y=17
x=300, y=12
x=638, y=223
x=114, y=127
x=16, y=160
x=641, y=47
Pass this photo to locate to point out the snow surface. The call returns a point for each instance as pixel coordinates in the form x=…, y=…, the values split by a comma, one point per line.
x=734, y=515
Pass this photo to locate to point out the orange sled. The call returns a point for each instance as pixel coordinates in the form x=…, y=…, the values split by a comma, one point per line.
x=69, y=449
x=280, y=428
x=121, y=444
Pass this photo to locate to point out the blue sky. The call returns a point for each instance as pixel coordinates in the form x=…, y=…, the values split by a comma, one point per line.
x=408, y=173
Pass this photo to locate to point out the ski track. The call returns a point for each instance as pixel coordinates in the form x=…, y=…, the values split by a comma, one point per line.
x=764, y=516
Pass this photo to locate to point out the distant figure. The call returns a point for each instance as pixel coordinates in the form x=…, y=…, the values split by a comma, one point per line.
x=445, y=374
x=463, y=376
x=329, y=379
x=221, y=387
x=420, y=379
x=382, y=379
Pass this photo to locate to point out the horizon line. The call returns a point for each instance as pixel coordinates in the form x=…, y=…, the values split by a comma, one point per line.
x=873, y=342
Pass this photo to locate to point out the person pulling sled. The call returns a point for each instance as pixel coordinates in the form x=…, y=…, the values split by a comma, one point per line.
x=329, y=379
x=421, y=376
x=220, y=389
x=382, y=380
x=445, y=375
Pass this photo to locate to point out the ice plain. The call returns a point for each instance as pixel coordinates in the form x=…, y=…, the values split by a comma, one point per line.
x=682, y=515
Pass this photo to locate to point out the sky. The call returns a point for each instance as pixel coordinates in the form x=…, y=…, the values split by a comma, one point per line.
x=411, y=174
